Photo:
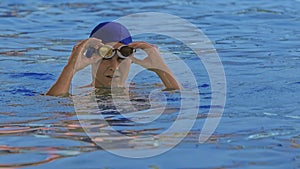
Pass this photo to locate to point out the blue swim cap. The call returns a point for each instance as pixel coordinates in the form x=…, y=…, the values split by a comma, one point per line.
x=111, y=32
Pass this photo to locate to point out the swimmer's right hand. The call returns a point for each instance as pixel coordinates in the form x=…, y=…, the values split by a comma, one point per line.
x=78, y=60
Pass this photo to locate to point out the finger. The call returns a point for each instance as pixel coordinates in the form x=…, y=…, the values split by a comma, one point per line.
x=96, y=39
x=96, y=42
x=135, y=60
x=77, y=48
x=146, y=47
x=95, y=59
x=140, y=45
x=82, y=42
x=92, y=43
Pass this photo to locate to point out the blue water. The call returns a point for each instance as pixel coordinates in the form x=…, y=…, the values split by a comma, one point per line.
x=258, y=44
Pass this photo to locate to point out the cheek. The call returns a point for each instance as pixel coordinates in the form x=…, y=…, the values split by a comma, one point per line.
x=102, y=68
x=124, y=67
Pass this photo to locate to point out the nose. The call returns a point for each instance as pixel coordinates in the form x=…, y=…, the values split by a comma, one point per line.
x=114, y=64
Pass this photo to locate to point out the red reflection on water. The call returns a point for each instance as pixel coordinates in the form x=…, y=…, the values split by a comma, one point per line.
x=17, y=150
x=70, y=130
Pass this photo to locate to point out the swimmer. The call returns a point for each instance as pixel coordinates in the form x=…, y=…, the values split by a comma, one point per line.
x=110, y=51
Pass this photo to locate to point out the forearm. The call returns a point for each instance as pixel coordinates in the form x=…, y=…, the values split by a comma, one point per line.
x=168, y=79
x=62, y=85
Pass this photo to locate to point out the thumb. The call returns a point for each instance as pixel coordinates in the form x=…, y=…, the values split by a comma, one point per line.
x=136, y=61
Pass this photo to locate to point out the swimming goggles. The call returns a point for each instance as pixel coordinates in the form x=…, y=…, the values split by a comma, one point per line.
x=107, y=51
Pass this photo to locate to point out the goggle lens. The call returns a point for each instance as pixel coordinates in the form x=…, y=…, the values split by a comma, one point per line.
x=106, y=51
x=126, y=51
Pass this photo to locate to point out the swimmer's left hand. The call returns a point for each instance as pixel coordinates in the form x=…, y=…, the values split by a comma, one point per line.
x=153, y=61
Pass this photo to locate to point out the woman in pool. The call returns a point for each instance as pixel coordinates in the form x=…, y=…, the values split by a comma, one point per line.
x=110, y=51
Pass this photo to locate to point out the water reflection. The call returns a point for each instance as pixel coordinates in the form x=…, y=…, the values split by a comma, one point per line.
x=41, y=155
x=117, y=122
x=33, y=154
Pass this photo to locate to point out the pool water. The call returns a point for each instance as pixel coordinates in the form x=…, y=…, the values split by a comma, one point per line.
x=257, y=42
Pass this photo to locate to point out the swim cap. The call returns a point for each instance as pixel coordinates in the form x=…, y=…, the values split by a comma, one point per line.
x=111, y=32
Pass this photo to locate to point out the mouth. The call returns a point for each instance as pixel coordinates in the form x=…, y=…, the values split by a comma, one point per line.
x=112, y=76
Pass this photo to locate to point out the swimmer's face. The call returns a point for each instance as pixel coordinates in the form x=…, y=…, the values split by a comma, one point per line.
x=112, y=72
